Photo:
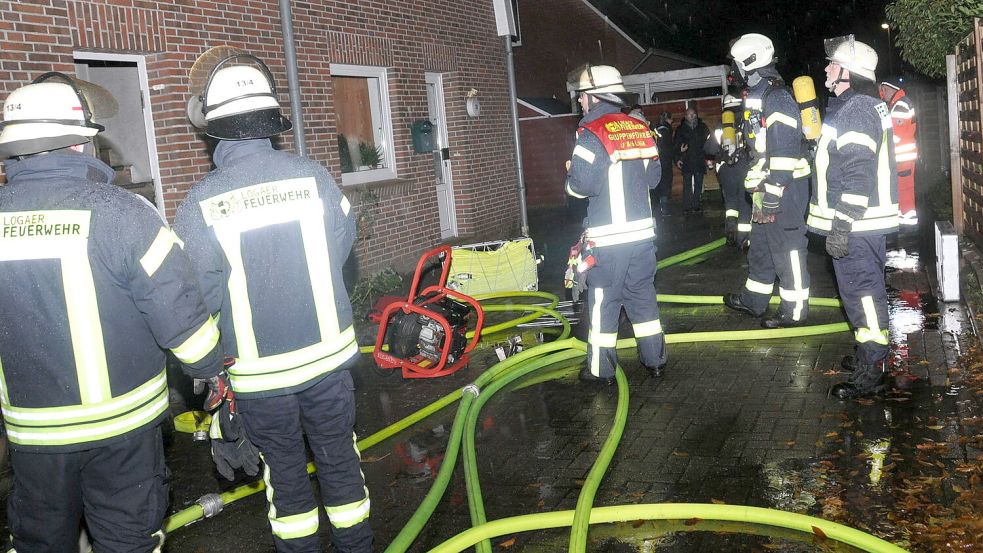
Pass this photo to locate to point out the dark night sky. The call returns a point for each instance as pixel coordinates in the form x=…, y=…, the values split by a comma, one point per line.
x=703, y=28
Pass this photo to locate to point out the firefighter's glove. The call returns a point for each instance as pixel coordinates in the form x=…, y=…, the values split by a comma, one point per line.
x=218, y=386
x=759, y=213
x=231, y=449
x=838, y=241
x=730, y=229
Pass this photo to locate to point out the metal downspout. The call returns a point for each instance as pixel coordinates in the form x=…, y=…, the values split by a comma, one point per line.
x=293, y=84
x=518, y=143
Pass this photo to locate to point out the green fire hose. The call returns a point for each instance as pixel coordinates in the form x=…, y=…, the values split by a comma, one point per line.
x=500, y=375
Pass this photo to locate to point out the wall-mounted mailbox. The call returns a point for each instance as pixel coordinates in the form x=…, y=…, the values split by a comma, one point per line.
x=422, y=132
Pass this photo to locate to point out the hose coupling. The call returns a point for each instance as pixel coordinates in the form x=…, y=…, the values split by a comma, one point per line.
x=471, y=388
x=211, y=504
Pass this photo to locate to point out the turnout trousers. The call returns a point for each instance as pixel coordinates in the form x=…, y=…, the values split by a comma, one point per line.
x=624, y=277
x=860, y=280
x=778, y=251
x=276, y=426
x=737, y=202
x=121, y=490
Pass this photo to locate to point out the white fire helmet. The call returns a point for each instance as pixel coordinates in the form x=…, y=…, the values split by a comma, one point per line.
x=234, y=97
x=602, y=81
x=852, y=55
x=54, y=111
x=752, y=51
x=731, y=101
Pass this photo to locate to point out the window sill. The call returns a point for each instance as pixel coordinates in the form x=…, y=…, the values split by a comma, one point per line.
x=384, y=189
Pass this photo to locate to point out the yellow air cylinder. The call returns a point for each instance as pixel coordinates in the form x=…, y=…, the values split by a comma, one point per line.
x=729, y=136
x=805, y=95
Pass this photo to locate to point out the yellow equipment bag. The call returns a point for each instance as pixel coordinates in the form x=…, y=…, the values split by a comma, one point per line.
x=501, y=266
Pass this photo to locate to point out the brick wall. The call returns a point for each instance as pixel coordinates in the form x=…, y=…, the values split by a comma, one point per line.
x=454, y=38
x=547, y=143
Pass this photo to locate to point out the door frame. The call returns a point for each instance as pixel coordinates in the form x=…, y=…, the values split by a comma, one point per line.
x=437, y=80
x=148, y=116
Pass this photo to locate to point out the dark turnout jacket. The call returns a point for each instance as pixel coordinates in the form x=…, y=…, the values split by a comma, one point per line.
x=268, y=233
x=92, y=285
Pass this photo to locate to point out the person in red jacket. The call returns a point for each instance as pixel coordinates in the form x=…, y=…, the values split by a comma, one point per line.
x=905, y=148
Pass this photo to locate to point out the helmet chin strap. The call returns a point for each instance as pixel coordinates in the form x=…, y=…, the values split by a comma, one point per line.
x=839, y=79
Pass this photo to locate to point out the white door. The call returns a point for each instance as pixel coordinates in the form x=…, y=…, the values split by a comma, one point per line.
x=128, y=144
x=441, y=156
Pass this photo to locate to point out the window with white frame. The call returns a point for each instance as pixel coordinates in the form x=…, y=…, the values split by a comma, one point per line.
x=365, y=133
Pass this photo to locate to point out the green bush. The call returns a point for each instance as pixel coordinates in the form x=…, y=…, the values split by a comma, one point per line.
x=927, y=31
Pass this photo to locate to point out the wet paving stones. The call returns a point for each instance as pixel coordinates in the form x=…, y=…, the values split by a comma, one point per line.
x=744, y=423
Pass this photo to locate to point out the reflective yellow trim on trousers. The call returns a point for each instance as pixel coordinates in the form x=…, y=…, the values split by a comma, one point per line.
x=595, y=324
x=744, y=227
x=799, y=295
x=731, y=213
x=350, y=514
x=863, y=335
x=159, y=534
x=873, y=332
x=157, y=252
x=83, y=433
x=295, y=526
x=290, y=526
x=199, y=344
x=603, y=339
x=758, y=287
x=278, y=371
x=650, y=328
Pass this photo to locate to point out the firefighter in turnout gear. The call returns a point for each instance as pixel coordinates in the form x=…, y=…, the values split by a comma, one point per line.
x=905, y=148
x=92, y=284
x=778, y=182
x=855, y=205
x=615, y=164
x=268, y=232
x=731, y=164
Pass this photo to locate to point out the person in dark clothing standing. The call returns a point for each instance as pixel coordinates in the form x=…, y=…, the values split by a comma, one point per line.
x=92, y=285
x=268, y=233
x=691, y=136
x=615, y=164
x=778, y=181
x=731, y=163
x=855, y=205
x=664, y=191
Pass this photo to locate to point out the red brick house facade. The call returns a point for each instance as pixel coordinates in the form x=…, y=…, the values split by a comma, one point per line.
x=408, y=40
